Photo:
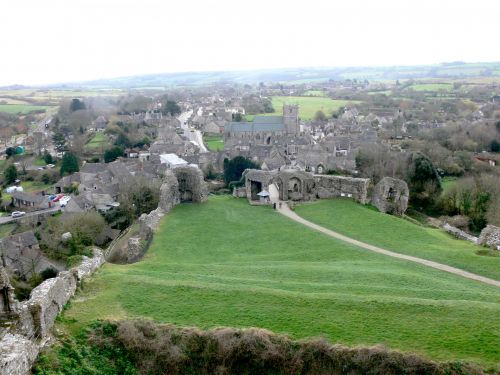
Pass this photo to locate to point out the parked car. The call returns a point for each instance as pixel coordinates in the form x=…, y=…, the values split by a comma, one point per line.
x=12, y=189
x=52, y=197
x=58, y=198
x=18, y=213
x=64, y=200
x=40, y=168
x=50, y=165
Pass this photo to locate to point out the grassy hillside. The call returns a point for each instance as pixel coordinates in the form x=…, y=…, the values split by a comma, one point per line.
x=368, y=225
x=225, y=263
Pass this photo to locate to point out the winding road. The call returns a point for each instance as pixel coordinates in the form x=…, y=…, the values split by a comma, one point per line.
x=286, y=211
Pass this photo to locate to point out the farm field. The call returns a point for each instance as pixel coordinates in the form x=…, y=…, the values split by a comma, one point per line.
x=368, y=225
x=22, y=108
x=432, y=87
x=308, y=106
x=214, y=143
x=315, y=93
x=226, y=263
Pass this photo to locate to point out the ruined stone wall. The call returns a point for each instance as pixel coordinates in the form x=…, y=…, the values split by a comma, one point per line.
x=341, y=186
x=169, y=192
x=256, y=179
x=490, y=237
x=240, y=192
x=391, y=196
x=192, y=186
x=458, y=233
x=19, y=346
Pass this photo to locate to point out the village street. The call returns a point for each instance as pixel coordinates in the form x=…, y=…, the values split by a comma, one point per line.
x=191, y=134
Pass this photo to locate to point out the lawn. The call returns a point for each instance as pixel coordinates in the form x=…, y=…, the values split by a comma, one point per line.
x=369, y=225
x=226, y=263
x=99, y=141
x=35, y=186
x=214, y=143
x=22, y=108
x=308, y=106
x=432, y=87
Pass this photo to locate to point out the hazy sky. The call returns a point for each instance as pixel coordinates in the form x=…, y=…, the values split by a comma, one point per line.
x=58, y=40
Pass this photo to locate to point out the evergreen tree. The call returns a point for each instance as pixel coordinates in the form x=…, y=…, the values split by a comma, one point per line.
x=69, y=164
x=76, y=105
x=10, y=174
x=234, y=168
x=48, y=158
x=112, y=154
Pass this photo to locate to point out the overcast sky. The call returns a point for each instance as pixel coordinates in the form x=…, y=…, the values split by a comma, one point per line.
x=58, y=40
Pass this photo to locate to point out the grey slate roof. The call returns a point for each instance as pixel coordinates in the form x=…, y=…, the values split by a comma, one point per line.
x=259, y=124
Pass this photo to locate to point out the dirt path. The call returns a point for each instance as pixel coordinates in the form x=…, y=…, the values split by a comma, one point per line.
x=285, y=210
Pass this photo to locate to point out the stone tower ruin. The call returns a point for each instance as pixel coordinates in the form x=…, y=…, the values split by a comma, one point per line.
x=291, y=118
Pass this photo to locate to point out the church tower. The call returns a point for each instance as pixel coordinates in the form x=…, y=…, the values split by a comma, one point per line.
x=291, y=118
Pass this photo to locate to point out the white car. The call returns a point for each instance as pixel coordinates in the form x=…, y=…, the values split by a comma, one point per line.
x=18, y=213
x=50, y=165
x=12, y=189
x=64, y=200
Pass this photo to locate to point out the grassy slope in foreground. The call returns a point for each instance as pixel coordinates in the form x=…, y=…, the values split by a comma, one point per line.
x=392, y=233
x=225, y=263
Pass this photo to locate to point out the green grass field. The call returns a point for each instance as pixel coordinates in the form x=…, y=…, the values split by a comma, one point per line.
x=432, y=87
x=98, y=141
x=226, y=263
x=308, y=106
x=22, y=108
x=390, y=232
x=214, y=143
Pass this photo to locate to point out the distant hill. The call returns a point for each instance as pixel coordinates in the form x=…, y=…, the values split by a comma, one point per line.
x=455, y=69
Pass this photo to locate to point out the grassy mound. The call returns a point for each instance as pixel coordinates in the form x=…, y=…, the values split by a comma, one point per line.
x=368, y=225
x=131, y=347
x=226, y=263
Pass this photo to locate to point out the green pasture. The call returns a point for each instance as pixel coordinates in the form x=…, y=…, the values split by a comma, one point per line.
x=226, y=263
x=368, y=225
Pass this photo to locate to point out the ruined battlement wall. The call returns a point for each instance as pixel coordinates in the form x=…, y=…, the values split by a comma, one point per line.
x=33, y=319
x=341, y=186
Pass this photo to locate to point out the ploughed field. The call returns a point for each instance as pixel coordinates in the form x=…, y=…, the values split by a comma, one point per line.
x=226, y=263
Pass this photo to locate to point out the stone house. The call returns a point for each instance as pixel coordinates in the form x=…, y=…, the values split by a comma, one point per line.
x=21, y=253
x=30, y=201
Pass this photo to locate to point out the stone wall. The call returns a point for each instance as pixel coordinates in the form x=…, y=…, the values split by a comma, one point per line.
x=460, y=234
x=490, y=237
x=391, y=196
x=341, y=186
x=192, y=186
x=169, y=192
x=20, y=344
x=297, y=185
x=240, y=192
